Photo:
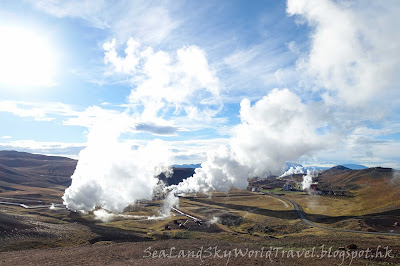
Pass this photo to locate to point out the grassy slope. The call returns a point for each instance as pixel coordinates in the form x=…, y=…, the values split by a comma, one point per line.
x=374, y=190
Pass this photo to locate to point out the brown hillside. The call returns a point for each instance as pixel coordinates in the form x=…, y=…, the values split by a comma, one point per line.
x=375, y=189
x=21, y=168
x=36, y=170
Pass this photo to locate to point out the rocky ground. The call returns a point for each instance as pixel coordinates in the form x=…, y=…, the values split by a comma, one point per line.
x=290, y=251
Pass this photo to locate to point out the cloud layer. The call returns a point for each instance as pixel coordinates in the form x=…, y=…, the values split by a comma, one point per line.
x=181, y=82
x=123, y=18
x=353, y=54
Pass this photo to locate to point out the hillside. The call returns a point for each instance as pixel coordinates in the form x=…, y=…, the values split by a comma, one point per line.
x=340, y=176
x=178, y=175
x=241, y=216
x=36, y=170
x=374, y=189
x=21, y=168
x=355, y=166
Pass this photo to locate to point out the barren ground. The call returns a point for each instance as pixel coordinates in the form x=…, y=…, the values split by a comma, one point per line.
x=240, y=220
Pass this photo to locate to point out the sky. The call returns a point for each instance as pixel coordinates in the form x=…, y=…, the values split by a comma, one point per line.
x=309, y=81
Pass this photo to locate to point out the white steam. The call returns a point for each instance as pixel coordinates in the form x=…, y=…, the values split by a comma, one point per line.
x=276, y=129
x=112, y=175
x=214, y=220
x=396, y=175
x=349, y=62
x=308, y=180
x=293, y=170
x=103, y=215
x=107, y=216
x=170, y=201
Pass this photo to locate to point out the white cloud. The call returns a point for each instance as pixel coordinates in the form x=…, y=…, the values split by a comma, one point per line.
x=49, y=111
x=354, y=50
x=353, y=65
x=157, y=129
x=292, y=46
x=182, y=83
x=150, y=22
x=49, y=148
x=180, y=90
x=258, y=68
x=195, y=150
x=126, y=65
x=39, y=111
x=375, y=153
x=242, y=57
x=93, y=114
x=125, y=121
x=6, y=137
x=112, y=173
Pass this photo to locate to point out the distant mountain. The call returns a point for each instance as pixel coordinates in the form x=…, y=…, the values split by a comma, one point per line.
x=355, y=166
x=374, y=189
x=37, y=170
x=305, y=168
x=340, y=176
x=339, y=168
x=178, y=176
x=187, y=165
x=316, y=168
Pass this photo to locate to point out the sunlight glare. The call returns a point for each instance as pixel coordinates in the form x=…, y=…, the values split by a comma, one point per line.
x=26, y=58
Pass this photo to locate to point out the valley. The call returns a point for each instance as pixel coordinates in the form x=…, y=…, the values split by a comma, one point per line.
x=35, y=226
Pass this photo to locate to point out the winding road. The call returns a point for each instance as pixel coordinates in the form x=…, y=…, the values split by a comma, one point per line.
x=22, y=202
x=299, y=212
x=308, y=222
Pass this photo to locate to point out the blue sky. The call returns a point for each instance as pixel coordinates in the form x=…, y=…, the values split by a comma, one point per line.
x=189, y=66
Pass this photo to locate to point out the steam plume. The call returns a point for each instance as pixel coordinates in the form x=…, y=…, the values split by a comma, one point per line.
x=276, y=129
x=112, y=175
x=170, y=201
x=294, y=170
x=307, y=180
